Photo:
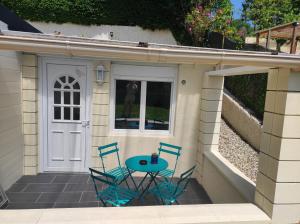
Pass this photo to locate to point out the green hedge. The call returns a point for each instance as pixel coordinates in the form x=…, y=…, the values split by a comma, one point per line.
x=148, y=14
x=251, y=90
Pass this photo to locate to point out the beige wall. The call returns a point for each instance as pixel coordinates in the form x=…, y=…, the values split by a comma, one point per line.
x=187, y=121
x=123, y=33
x=11, y=141
x=278, y=180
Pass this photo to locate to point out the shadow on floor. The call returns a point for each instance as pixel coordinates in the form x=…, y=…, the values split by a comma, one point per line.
x=57, y=190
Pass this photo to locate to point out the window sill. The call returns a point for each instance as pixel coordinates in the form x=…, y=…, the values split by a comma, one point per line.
x=137, y=133
x=241, y=182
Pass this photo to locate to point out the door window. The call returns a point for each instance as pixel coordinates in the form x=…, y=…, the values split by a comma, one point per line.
x=66, y=99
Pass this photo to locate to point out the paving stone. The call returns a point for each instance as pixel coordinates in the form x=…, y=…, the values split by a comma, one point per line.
x=17, y=187
x=79, y=187
x=76, y=205
x=29, y=205
x=22, y=197
x=64, y=197
x=36, y=179
x=45, y=187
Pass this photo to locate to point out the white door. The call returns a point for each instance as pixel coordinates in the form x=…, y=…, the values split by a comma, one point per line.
x=67, y=118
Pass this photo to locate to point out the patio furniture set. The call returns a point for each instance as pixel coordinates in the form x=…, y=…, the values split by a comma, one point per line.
x=158, y=179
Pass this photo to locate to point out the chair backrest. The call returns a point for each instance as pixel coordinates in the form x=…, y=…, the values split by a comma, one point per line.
x=183, y=181
x=170, y=149
x=110, y=149
x=104, y=178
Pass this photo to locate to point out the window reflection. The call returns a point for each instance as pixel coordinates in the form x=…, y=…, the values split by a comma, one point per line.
x=127, y=110
x=158, y=96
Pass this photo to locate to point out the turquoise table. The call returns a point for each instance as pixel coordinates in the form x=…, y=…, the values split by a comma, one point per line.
x=151, y=170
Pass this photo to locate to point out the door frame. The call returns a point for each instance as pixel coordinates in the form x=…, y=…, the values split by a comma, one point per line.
x=43, y=105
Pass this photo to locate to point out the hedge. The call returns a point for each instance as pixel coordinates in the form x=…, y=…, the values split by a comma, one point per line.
x=148, y=14
x=251, y=90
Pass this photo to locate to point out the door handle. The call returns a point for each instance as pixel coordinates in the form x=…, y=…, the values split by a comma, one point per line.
x=85, y=123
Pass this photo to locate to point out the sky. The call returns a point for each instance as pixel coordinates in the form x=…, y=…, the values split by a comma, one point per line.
x=237, y=8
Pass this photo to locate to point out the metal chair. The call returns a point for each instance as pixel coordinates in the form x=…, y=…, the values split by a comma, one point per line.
x=168, y=192
x=111, y=192
x=119, y=173
x=169, y=149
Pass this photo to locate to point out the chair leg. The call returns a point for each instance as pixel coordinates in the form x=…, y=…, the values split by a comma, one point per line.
x=127, y=184
x=177, y=202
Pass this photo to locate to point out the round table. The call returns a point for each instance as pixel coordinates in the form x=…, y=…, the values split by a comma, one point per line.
x=151, y=170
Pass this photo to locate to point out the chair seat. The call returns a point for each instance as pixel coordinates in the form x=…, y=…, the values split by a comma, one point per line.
x=119, y=173
x=166, y=191
x=116, y=195
x=166, y=173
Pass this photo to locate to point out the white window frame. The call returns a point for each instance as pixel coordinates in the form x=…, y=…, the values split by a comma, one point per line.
x=143, y=73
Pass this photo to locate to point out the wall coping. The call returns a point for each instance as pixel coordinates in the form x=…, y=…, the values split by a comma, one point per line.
x=239, y=180
x=212, y=213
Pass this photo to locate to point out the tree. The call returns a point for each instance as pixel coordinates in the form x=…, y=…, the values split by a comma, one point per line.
x=268, y=13
x=210, y=15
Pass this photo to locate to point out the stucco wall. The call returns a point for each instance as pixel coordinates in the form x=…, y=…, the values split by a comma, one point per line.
x=11, y=140
x=242, y=121
x=187, y=121
x=123, y=33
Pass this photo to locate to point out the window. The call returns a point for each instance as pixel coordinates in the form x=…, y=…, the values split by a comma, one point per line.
x=66, y=99
x=142, y=105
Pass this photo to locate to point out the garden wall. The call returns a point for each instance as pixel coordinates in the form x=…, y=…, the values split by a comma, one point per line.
x=247, y=126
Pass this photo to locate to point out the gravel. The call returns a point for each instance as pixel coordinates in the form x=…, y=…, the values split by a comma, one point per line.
x=238, y=152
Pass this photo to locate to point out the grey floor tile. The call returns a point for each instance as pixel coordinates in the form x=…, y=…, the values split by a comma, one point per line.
x=29, y=205
x=45, y=187
x=64, y=197
x=76, y=205
x=17, y=187
x=80, y=178
x=88, y=197
x=22, y=197
x=79, y=187
x=36, y=179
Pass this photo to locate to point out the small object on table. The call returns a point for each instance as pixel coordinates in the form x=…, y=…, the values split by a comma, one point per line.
x=143, y=162
x=154, y=158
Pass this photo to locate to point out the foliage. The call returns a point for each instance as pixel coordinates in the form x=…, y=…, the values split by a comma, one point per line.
x=268, y=13
x=249, y=89
x=211, y=16
x=148, y=14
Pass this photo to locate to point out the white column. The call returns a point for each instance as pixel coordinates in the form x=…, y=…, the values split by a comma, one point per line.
x=210, y=118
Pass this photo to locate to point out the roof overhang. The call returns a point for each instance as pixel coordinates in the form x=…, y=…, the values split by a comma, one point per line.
x=129, y=51
x=244, y=70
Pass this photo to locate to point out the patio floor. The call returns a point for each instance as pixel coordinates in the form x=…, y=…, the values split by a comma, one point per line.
x=57, y=190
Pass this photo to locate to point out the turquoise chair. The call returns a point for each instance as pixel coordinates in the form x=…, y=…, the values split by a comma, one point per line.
x=120, y=173
x=169, y=149
x=168, y=192
x=111, y=193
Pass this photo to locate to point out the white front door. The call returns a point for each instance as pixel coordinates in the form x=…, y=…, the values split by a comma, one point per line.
x=67, y=118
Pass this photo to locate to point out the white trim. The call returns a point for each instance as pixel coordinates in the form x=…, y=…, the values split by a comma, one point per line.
x=244, y=70
x=149, y=73
x=43, y=107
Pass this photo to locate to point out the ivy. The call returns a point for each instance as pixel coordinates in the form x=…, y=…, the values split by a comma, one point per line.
x=148, y=14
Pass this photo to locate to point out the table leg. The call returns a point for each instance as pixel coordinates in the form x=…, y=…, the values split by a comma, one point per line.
x=153, y=176
x=136, y=188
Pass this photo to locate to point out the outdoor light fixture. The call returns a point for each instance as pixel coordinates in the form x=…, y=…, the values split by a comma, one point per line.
x=100, y=74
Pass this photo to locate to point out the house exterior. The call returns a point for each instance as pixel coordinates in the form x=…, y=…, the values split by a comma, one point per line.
x=62, y=97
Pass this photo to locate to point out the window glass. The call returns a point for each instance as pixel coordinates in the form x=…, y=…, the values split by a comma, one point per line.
x=57, y=98
x=67, y=113
x=76, y=98
x=57, y=115
x=158, y=97
x=127, y=109
x=67, y=97
x=57, y=85
x=76, y=113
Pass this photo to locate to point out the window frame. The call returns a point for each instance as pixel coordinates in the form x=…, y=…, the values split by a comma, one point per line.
x=129, y=72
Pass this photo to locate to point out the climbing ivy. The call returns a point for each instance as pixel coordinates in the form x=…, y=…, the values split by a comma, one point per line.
x=148, y=14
